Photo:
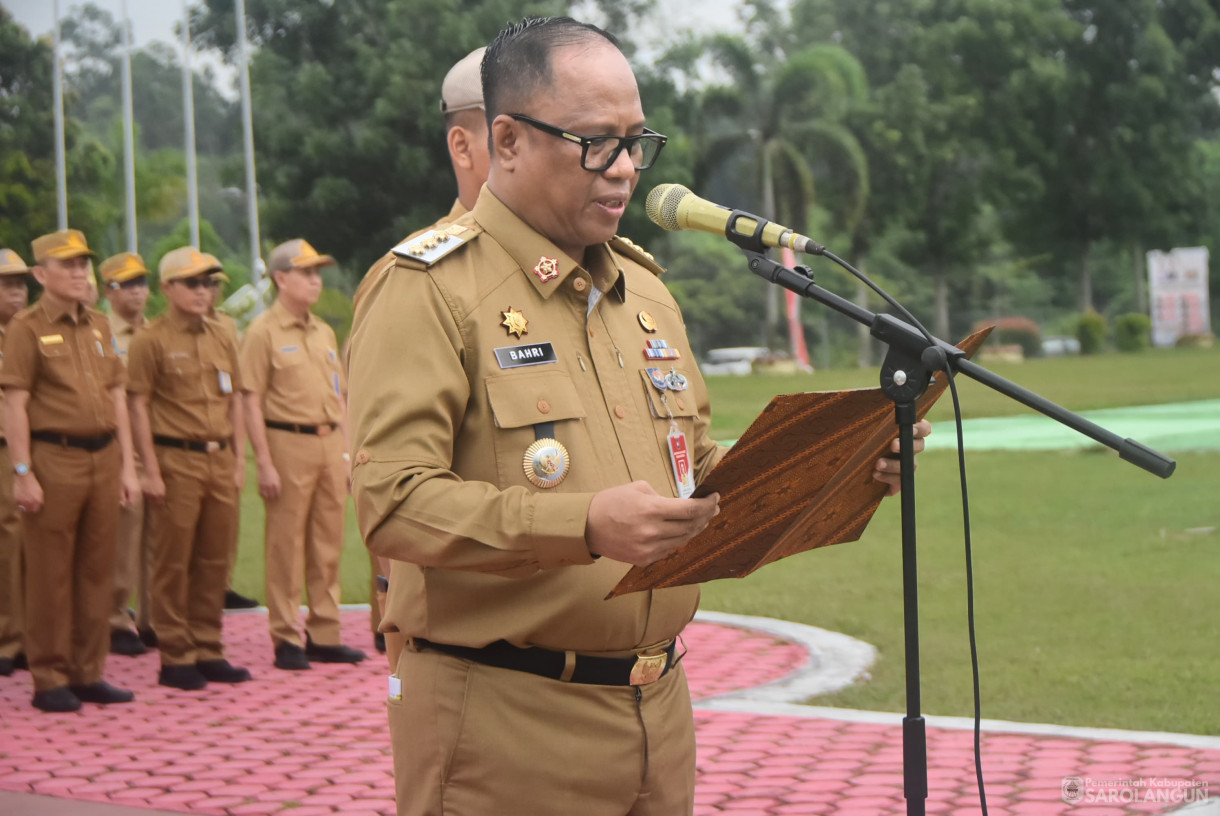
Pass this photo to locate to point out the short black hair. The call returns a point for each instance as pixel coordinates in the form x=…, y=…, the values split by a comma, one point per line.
x=518, y=61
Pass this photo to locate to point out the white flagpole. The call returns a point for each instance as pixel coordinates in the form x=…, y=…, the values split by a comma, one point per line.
x=188, y=117
x=61, y=168
x=129, y=149
x=247, y=119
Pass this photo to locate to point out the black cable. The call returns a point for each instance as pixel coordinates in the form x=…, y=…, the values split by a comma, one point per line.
x=961, y=466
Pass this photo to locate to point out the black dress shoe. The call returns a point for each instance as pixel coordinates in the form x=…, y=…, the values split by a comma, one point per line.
x=149, y=638
x=332, y=654
x=290, y=657
x=21, y=662
x=222, y=671
x=235, y=600
x=102, y=692
x=186, y=677
x=59, y=699
x=126, y=642
x=6, y=666
x=379, y=642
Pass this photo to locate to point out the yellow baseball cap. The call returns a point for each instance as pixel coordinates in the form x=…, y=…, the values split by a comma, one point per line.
x=11, y=263
x=463, y=85
x=61, y=245
x=122, y=267
x=187, y=262
x=298, y=254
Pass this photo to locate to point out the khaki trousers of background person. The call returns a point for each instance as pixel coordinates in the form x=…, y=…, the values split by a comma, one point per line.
x=131, y=563
x=471, y=739
x=304, y=535
x=69, y=563
x=193, y=534
x=12, y=564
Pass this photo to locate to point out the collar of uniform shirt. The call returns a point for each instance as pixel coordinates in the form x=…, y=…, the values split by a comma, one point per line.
x=521, y=241
x=287, y=319
x=185, y=323
x=56, y=311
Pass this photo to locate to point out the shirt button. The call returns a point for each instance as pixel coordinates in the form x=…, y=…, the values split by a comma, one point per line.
x=681, y=404
x=580, y=284
x=590, y=331
x=362, y=457
x=544, y=407
x=620, y=411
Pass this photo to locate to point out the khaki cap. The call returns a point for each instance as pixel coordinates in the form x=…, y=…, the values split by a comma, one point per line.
x=187, y=262
x=11, y=263
x=61, y=245
x=122, y=267
x=463, y=85
x=298, y=254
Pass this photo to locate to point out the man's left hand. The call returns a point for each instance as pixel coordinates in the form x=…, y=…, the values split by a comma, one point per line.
x=889, y=471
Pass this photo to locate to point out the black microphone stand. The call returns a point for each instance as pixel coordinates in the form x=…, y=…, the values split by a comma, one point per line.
x=906, y=372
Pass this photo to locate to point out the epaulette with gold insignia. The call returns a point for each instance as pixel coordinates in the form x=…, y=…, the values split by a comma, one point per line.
x=629, y=248
x=425, y=249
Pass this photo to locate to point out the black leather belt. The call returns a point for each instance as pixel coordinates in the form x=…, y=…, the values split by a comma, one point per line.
x=198, y=446
x=316, y=430
x=636, y=670
x=89, y=443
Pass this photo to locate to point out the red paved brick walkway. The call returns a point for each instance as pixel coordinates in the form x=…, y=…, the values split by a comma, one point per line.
x=315, y=743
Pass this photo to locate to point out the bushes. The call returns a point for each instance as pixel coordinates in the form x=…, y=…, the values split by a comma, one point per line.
x=1016, y=330
x=1091, y=332
x=1132, y=332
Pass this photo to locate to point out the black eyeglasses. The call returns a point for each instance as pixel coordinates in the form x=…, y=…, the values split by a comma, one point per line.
x=598, y=153
x=198, y=281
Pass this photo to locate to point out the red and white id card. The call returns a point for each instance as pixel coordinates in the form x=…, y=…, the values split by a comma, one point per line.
x=679, y=457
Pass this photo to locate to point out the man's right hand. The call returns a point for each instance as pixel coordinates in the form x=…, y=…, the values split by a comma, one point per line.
x=28, y=493
x=268, y=481
x=633, y=524
x=153, y=486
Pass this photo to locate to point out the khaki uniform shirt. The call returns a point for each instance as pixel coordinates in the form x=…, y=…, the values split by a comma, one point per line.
x=189, y=373
x=373, y=279
x=122, y=332
x=441, y=427
x=294, y=367
x=66, y=359
x=2, y=330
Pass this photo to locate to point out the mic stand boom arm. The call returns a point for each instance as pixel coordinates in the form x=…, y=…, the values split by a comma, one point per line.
x=905, y=374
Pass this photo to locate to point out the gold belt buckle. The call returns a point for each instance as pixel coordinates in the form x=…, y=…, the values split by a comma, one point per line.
x=212, y=446
x=648, y=668
x=324, y=430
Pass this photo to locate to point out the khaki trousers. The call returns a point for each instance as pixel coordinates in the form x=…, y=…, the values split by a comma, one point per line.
x=304, y=535
x=12, y=564
x=132, y=563
x=193, y=544
x=471, y=739
x=69, y=563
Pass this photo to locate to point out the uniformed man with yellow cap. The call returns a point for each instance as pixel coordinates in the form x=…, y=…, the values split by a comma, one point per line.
x=187, y=418
x=125, y=283
x=529, y=423
x=14, y=296
x=65, y=410
x=297, y=419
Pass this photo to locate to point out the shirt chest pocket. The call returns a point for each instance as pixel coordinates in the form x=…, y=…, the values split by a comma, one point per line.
x=528, y=406
x=670, y=408
x=290, y=372
x=57, y=361
x=183, y=377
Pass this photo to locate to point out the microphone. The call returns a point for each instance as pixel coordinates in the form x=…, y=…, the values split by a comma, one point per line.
x=673, y=207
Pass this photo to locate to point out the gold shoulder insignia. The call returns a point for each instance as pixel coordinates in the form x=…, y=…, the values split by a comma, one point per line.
x=630, y=249
x=423, y=250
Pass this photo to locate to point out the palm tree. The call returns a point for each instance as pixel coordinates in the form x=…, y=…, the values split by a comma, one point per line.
x=779, y=122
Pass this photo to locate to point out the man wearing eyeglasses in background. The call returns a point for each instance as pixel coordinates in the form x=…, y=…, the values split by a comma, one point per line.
x=125, y=284
x=184, y=391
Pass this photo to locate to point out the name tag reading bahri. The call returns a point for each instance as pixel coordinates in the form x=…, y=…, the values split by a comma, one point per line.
x=527, y=355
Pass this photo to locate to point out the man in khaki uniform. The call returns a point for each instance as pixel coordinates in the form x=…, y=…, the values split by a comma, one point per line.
x=14, y=296
x=513, y=459
x=125, y=282
x=184, y=386
x=64, y=408
x=296, y=415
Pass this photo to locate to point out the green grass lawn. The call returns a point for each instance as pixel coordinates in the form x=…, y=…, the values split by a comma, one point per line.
x=1096, y=582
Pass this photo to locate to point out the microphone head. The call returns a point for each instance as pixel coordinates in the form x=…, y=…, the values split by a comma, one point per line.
x=662, y=205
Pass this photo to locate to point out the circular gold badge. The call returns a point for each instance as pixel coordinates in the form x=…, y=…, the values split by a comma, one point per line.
x=546, y=463
x=647, y=322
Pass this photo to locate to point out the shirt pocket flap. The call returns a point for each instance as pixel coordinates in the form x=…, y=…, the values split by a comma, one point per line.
x=681, y=403
x=518, y=400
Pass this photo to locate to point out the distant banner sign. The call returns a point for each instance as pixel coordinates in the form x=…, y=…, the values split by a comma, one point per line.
x=1177, y=294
